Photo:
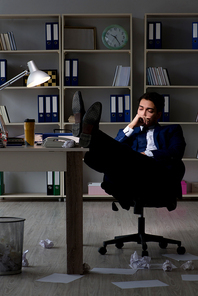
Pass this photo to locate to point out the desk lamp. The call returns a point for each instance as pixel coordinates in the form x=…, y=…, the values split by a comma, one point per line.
x=35, y=77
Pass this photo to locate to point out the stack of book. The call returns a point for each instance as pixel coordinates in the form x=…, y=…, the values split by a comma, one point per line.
x=7, y=41
x=122, y=76
x=4, y=114
x=157, y=76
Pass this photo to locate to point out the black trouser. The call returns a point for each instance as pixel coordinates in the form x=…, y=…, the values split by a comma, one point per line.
x=129, y=175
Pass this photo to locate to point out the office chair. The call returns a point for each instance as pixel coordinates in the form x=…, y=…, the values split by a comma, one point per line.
x=141, y=237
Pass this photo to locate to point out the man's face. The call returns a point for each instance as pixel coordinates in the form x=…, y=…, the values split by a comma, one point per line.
x=149, y=112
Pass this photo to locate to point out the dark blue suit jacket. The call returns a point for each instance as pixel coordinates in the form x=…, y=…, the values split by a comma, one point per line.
x=168, y=139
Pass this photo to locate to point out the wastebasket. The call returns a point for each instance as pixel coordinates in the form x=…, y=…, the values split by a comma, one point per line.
x=11, y=245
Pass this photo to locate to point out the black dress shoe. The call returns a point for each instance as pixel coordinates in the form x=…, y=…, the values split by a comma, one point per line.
x=90, y=124
x=78, y=111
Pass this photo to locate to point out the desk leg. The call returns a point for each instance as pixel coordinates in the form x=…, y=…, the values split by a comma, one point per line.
x=74, y=212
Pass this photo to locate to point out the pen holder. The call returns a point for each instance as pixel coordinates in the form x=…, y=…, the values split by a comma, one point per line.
x=29, y=125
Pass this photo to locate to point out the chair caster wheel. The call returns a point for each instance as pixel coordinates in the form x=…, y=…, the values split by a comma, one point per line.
x=102, y=250
x=181, y=250
x=119, y=245
x=163, y=245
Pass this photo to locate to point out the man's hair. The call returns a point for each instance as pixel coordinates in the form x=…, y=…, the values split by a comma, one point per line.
x=157, y=99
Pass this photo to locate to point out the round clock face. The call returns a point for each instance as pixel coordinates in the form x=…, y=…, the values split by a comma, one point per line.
x=114, y=37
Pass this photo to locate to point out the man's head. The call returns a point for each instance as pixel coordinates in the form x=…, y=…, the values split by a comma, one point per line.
x=151, y=106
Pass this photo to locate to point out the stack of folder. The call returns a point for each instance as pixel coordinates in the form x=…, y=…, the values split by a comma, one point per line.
x=53, y=183
x=71, y=72
x=120, y=108
x=157, y=76
x=48, y=108
x=154, y=35
x=52, y=36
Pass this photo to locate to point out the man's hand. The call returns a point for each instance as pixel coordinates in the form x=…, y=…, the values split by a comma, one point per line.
x=138, y=121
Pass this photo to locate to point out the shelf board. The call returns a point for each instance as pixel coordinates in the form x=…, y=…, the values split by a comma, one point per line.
x=172, y=86
x=96, y=87
x=163, y=50
x=36, y=123
x=36, y=88
x=96, y=51
x=23, y=51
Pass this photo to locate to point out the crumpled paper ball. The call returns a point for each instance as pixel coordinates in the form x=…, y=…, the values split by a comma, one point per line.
x=139, y=262
x=47, y=244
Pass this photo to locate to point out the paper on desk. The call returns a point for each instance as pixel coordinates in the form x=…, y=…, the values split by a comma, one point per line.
x=139, y=284
x=60, y=278
x=190, y=277
x=184, y=257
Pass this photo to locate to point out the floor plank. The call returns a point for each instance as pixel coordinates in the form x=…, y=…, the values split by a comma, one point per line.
x=47, y=220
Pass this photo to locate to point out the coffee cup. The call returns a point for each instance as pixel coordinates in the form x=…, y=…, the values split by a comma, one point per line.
x=29, y=125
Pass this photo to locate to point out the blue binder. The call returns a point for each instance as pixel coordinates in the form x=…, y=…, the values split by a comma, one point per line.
x=127, y=109
x=166, y=111
x=120, y=108
x=194, y=35
x=151, y=35
x=48, y=36
x=3, y=71
x=74, y=71
x=158, y=35
x=41, y=108
x=113, y=104
x=55, y=108
x=67, y=72
x=55, y=33
x=48, y=108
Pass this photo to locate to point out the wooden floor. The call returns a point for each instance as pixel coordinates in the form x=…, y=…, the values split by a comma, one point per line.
x=47, y=220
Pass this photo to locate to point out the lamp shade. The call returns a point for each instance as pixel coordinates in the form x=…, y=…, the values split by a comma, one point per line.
x=36, y=76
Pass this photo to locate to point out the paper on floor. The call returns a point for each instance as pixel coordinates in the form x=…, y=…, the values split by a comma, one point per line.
x=60, y=278
x=139, y=284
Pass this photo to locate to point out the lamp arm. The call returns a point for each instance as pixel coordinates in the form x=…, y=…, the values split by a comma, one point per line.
x=12, y=80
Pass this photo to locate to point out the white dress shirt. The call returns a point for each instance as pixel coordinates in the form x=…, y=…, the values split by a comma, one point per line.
x=149, y=137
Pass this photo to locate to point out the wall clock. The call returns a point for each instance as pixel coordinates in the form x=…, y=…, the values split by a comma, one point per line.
x=114, y=37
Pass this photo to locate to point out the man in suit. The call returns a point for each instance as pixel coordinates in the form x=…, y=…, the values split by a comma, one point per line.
x=143, y=158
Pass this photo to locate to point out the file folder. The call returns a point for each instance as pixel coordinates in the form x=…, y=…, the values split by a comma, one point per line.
x=113, y=108
x=55, y=36
x=150, y=35
x=74, y=72
x=158, y=35
x=41, y=108
x=166, y=111
x=3, y=71
x=55, y=108
x=127, y=109
x=50, y=183
x=48, y=109
x=194, y=35
x=48, y=35
x=67, y=72
x=56, y=185
x=120, y=108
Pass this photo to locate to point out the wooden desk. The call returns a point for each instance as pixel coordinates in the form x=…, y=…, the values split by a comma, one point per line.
x=39, y=159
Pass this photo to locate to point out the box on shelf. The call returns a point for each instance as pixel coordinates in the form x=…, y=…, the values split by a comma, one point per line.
x=195, y=187
x=95, y=189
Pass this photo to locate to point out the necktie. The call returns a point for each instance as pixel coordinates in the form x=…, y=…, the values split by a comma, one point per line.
x=142, y=142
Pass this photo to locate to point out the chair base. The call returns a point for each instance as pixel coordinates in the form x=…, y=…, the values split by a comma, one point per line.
x=141, y=238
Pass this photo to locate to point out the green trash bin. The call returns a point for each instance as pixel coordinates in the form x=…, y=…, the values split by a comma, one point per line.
x=11, y=245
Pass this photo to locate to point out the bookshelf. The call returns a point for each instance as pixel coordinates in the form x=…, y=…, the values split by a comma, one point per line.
x=177, y=55
x=97, y=66
x=22, y=103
